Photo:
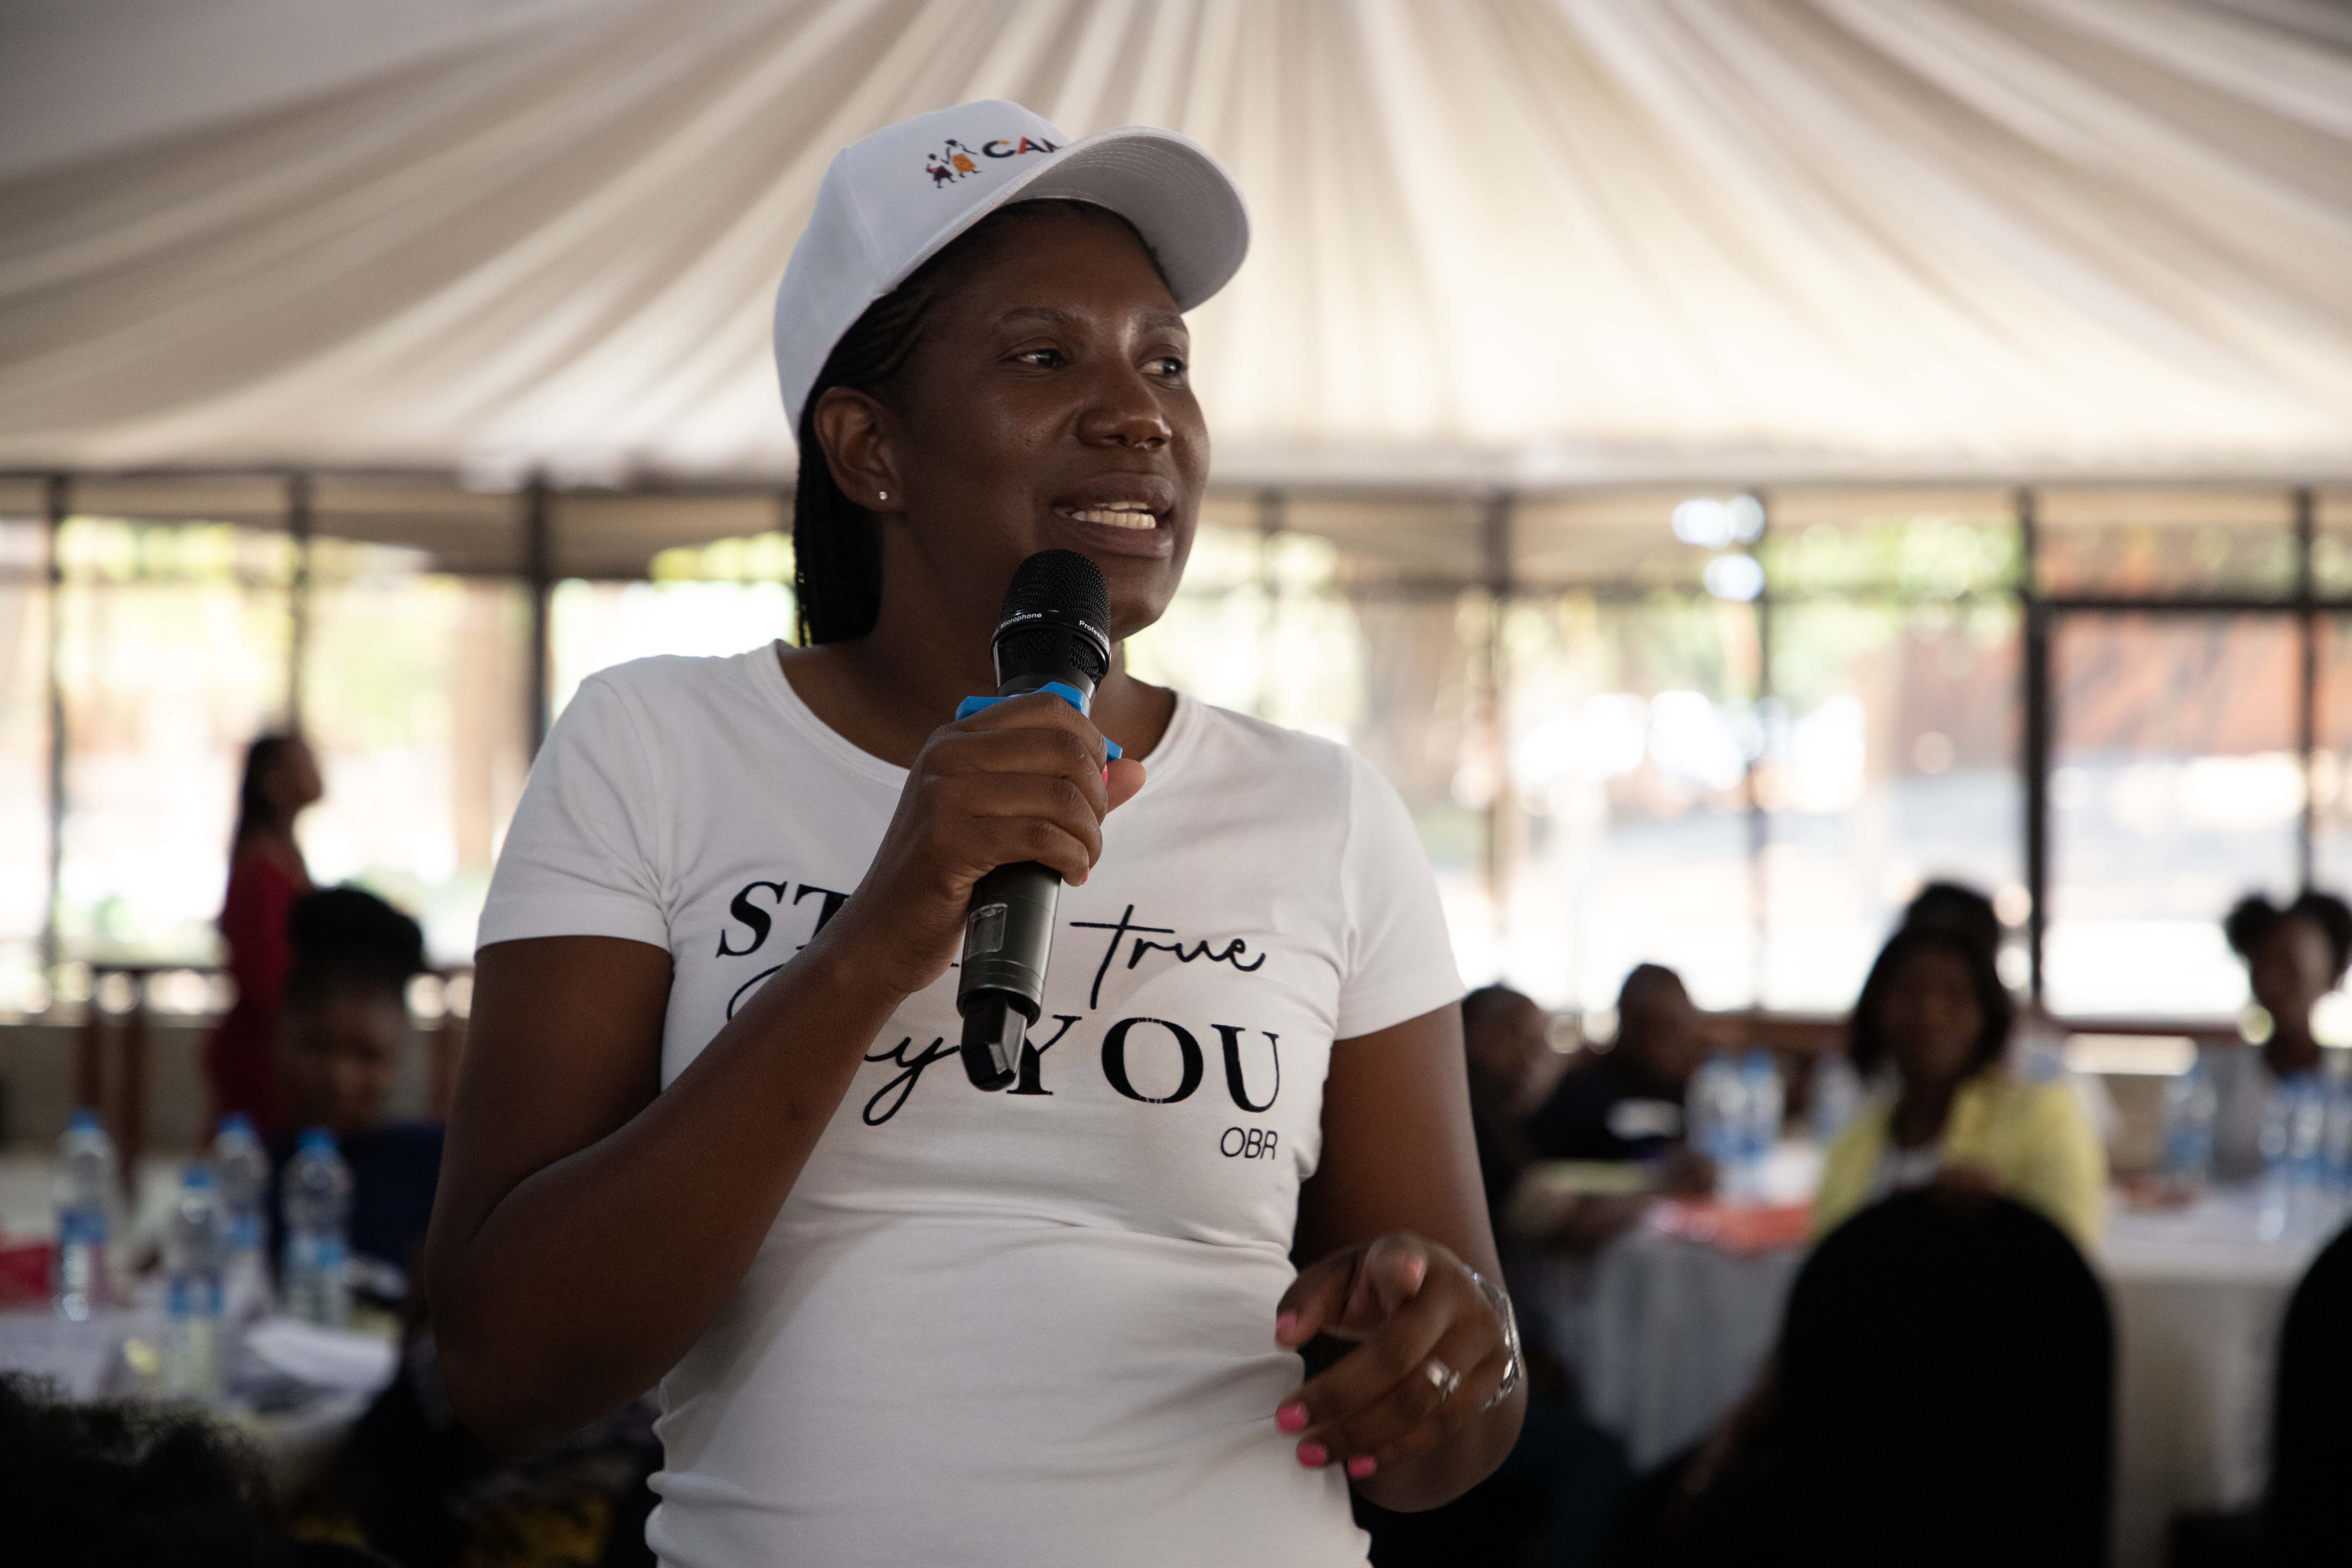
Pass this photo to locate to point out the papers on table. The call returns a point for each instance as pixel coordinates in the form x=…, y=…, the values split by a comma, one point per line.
x=323, y=1357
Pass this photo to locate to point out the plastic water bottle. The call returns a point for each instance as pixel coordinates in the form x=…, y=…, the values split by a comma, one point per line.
x=2190, y=1103
x=2295, y=1122
x=241, y=1166
x=1711, y=1113
x=317, y=1275
x=1760, y=1101
x=1833, y=1096
x=2307, y=1148
x=84, y=1187
x=196, y=1247
x=2336, y=1142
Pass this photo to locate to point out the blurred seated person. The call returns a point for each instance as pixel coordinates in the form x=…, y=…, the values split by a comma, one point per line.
x=1626, y=1104
x=2037, y=1050
x=2295, y=955
x=1506, y=1047
x=1506, y=1044
x=1957, y=908
x=1934, y=1009
x=342, y=1037
x=409, y=1481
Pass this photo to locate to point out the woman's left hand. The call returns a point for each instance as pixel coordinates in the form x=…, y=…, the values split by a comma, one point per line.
x=1419, y=1320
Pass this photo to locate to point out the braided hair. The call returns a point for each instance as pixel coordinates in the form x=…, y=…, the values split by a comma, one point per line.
x=836, y=550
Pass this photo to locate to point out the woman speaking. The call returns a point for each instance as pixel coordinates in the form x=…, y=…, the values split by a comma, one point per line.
x=713, y=1130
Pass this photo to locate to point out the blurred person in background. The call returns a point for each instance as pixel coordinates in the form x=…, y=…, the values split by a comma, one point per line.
x=1957, y=908
x=1580, y=1469
x=409, y=1482
x=2037, y=1051
x=1626, y=1104
x=1935, y=1010
x=1506, y=1047
x=341, y=1039
x=265, y=875
x=2295, y=954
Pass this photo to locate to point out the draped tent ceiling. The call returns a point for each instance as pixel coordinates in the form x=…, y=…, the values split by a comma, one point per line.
x=1499, y=242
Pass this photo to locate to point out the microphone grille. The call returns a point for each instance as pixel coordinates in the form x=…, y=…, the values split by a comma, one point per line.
x=1059, y=581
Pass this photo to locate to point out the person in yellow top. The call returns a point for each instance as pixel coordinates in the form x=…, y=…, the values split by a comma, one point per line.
x=1934, y=1009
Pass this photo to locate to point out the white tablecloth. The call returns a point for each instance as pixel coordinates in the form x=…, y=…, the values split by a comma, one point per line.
x=2198, y=1295
x=1663, y=1334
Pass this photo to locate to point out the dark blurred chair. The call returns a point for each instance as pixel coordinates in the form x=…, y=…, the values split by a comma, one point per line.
x=2305, y=1517
x=1942, y=1394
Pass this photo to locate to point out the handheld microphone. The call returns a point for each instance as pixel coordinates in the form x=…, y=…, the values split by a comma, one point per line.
x=1054, y=636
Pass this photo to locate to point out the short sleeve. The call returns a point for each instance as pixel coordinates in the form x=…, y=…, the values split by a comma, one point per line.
x=1400, y=958
x=583, y=855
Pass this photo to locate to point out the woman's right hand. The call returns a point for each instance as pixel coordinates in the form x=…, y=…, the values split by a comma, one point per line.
x=1022, y=780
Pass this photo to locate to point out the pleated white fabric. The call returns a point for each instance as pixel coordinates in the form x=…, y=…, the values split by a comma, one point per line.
x=1520, y=241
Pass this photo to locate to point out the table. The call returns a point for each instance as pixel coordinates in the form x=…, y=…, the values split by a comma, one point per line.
x=2199, y=1295
x=1667, y=1334
x=1664, y=1334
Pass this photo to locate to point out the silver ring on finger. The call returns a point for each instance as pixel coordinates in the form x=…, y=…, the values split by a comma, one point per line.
x=1442, y=1378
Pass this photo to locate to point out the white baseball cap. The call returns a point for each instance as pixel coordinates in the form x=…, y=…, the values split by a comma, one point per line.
x=892, y=201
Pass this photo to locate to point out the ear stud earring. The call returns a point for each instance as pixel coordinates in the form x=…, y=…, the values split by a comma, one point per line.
x=882, y=494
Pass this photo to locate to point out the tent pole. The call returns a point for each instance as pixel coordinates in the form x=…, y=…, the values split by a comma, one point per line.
x=1759, y=815
x=298, y=596
x=1270, y=509
x=57, y=501
x=2307, y=717
x=1502, y=582
x=2033, y=754
x=537, y=525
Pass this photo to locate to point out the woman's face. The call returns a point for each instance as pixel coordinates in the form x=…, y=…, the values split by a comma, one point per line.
x=1931, y=1018
x=2289, y=970
x=293, y=778
x=1049, y=405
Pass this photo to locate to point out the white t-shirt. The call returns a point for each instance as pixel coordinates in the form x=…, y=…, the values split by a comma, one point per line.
x=1034, y=1327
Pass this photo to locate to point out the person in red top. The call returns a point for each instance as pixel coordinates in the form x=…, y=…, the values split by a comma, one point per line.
x=265, y=875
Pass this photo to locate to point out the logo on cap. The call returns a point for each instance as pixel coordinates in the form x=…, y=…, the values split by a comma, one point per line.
x=954, y=159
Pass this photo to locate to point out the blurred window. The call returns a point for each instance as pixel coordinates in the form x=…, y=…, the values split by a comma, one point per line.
x=2174, y=787
x=2331, y=546
x=2158, y=543
x=1893, y=763
x=1912, y=546
x=1726, y=731
x=24, y=762
x=1629, y=728
x=173, y=642
x=710, y=600
x=2331, y=760
x=414, y=700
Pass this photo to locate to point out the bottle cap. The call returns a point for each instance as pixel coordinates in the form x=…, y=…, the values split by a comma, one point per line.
x=236, y=1121
x=84, y=1120
x=317, y=1137
x=197, y=1177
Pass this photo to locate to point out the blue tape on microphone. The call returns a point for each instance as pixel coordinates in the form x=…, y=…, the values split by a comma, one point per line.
x=1063, y=690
